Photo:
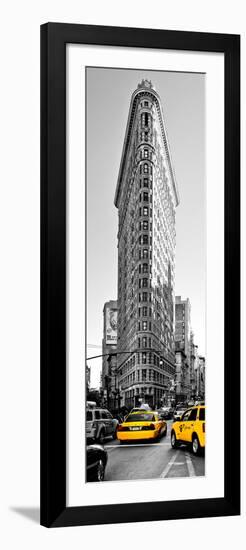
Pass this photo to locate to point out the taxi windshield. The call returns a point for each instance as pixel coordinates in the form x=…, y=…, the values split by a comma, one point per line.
x=140, y=417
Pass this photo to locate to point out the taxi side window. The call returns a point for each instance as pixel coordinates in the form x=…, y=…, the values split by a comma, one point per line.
x=202, y=414
x=193, y=414
x=97, y=415
x=186, y=416
x=103, y=414
x=109, y=415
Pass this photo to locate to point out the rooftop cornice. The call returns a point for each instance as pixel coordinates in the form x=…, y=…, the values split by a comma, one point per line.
x=144, y=88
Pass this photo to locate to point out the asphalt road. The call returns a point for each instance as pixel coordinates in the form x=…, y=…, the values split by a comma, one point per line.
x=151, y=460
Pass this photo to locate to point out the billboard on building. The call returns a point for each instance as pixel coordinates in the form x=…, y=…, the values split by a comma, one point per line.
x=111, y=326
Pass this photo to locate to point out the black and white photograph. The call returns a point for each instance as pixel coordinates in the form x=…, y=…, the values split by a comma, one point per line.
x=145, y=274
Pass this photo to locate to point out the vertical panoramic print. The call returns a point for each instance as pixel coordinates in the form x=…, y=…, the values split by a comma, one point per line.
x=145, y=274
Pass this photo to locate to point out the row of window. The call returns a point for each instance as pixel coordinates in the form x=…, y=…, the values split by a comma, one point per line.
x=144, y=268
x=145, y=239
x=143, y=283
x=144, y=376
x=144, y=225
x=145, y=211
x=145, y=119
x=145, y=358
x=145, y=168
x=145, y=182
x=144, y=254
x=145, y=297
x=144, y=325
x=145, y=197
x=144, y=311
x=145, y=136
x=146, y=154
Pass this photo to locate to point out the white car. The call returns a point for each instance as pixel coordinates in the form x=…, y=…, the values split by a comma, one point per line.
x=100, y=424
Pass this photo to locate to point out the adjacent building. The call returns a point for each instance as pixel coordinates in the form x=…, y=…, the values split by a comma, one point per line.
x=109, y=359
x=182, y=325
x=182, y=348
x=146, y=197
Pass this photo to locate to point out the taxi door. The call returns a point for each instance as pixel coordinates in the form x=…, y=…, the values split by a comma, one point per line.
x=189, y=425
x=182, y=426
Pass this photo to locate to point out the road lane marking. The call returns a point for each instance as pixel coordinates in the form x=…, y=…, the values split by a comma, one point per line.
x=169, y=465
x=190, y=466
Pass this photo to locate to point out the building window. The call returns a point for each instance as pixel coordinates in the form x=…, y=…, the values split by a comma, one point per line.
x=139, y=342
x=146, y=135
x=144, y=325
x=145, y=211
x=145, y=282
x=146, y=153
x=150, y=326
x=145, y=311
x=145, y=268
x=144, y=342
x=150, y=346
x=145, y=225
x=145, y=197
x=145, y=253
x=146, y=168
x=145, y=239
x=140, y=211
x=145, y=295
x=143, y=375
x=145, y=182
x=146, y=104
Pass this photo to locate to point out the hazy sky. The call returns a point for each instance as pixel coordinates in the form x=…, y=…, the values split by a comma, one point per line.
x=183, y=101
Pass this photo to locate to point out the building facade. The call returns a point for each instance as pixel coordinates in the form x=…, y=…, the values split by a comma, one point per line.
x=201, y=378
x=182, y=326
x=182, y=378
x=146, y=198
x=109, y=348
x=182, y=348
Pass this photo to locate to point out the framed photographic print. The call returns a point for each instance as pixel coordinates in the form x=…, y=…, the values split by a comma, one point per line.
x=140, y=275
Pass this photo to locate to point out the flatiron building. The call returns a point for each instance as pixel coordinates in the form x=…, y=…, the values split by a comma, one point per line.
x=146, y=198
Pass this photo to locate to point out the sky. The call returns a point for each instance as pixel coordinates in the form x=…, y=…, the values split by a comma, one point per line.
x=108, y=93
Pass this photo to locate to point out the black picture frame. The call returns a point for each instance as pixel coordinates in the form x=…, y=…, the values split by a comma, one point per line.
x=54, y=37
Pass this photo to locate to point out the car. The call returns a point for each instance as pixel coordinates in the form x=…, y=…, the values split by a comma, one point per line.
x=178, y=413
x=190, y=429
x=143, y=407
x=100, y=424
x=166, y=412
x=96, y=462
x=141, y=425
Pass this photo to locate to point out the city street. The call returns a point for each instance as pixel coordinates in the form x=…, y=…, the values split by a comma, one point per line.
x=151, y=460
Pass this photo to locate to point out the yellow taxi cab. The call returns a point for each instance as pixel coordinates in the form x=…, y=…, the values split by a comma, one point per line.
x=190, y=429
x=141, y=425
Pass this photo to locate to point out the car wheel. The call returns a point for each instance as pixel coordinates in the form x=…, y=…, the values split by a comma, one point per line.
x=101, y=437
x=195, y=445
x=100, y=471
x=174, y=442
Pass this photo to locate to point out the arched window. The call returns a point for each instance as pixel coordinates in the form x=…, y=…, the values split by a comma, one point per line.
x=146, y=168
